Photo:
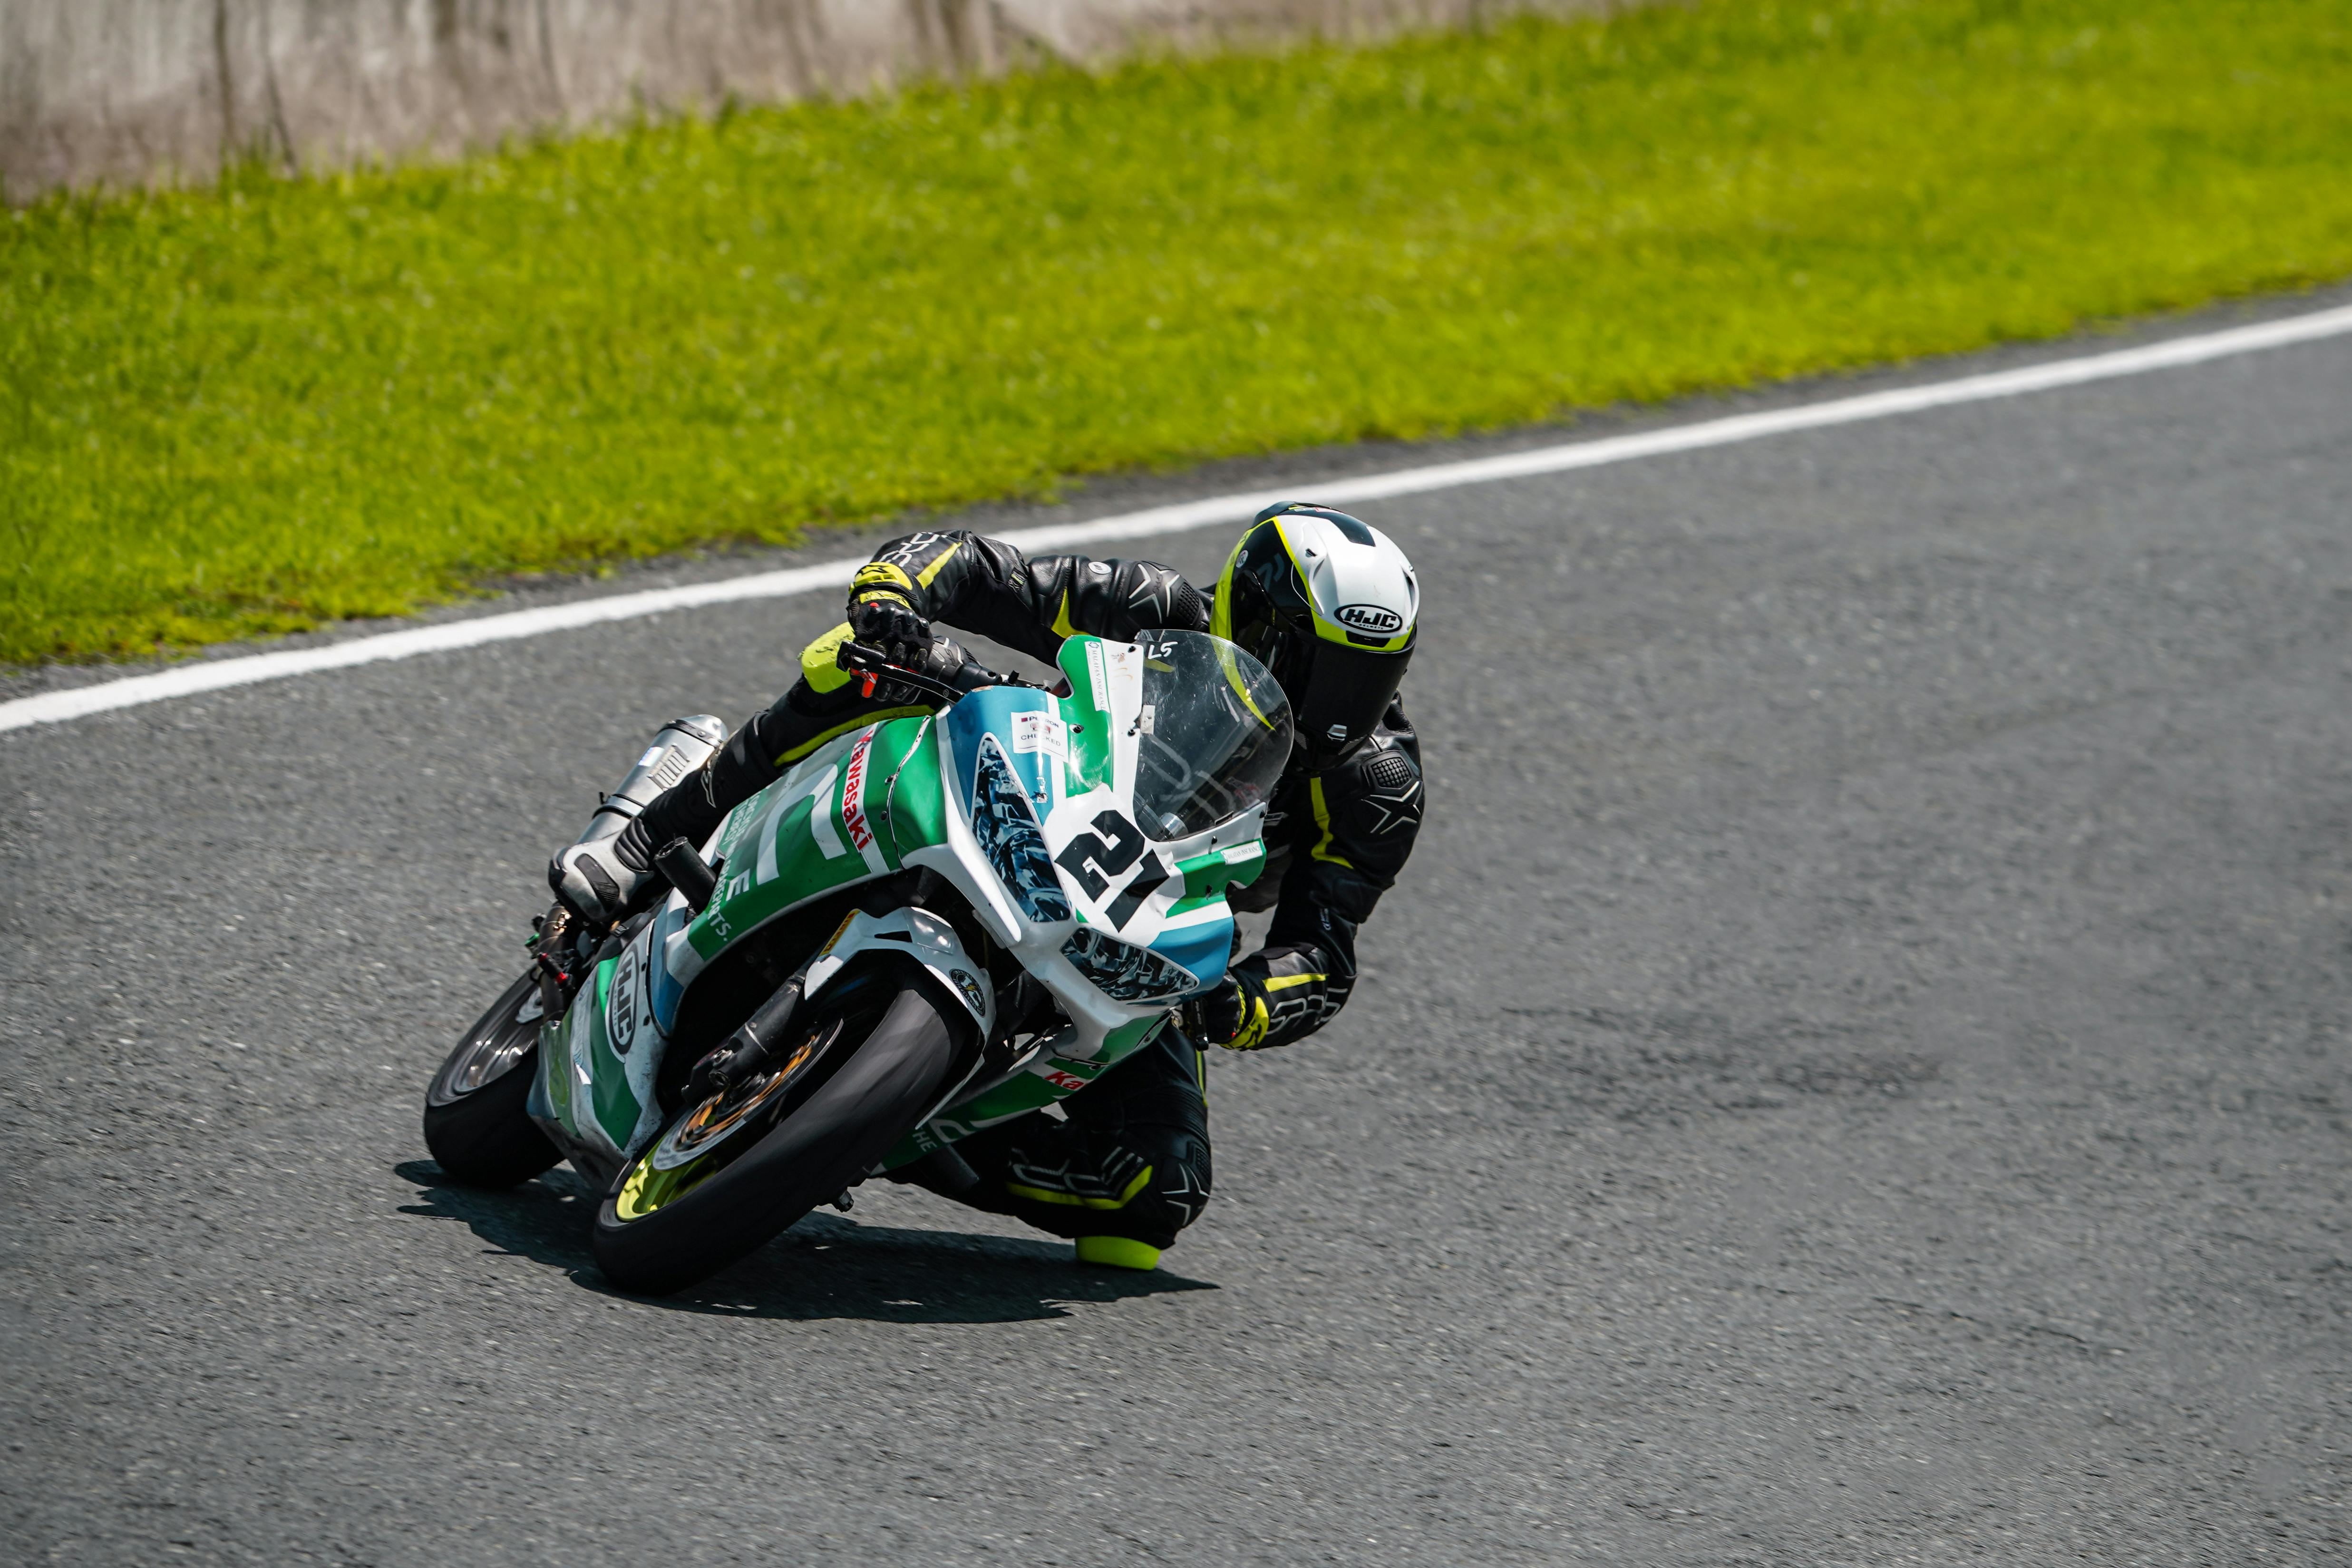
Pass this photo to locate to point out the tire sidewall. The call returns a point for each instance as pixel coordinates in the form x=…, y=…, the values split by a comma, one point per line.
x=818, y=1149
x=486, y=1138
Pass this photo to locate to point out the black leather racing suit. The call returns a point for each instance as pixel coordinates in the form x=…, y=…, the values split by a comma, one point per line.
x=1132, y=1158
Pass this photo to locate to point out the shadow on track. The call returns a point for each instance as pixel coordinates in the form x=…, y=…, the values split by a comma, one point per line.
x=824, y=1266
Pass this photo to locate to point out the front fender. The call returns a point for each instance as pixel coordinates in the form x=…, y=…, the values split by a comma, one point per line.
x=915, y=933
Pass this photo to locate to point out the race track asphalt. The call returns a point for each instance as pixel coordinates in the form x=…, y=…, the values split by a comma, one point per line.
x=1854, y=1074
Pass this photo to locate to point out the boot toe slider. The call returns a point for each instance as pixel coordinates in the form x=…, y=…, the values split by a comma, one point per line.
x=1116, y=1252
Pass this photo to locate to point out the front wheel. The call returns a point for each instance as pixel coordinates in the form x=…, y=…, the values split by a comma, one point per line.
x=475, y=1123
x=684, y=1208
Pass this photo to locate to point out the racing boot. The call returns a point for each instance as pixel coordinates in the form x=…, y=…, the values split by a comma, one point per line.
x=602, y=879
x=1127, y=1170
x=609, y=869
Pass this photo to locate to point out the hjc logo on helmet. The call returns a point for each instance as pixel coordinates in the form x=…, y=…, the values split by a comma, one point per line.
x=1367, y=617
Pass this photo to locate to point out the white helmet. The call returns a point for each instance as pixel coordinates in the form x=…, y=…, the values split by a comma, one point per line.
x=1329, y=606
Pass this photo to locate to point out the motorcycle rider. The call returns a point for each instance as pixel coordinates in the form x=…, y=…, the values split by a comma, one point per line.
x=1330, y=606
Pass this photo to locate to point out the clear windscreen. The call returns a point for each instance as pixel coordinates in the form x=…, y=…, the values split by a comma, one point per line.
x=1213, y=736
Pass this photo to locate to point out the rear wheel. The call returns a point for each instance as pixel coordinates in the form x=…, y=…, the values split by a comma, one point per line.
x=714, y=1185
x=476, y=1125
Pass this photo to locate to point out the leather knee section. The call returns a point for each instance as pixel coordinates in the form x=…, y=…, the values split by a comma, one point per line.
x=1132, y=1160
x=1140, y=1182
x=1182, y=1179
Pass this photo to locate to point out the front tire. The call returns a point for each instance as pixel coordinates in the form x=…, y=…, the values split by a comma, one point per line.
x=475, y=1124
x=660, y=1231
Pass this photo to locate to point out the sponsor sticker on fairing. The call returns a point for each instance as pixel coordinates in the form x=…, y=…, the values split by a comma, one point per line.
x=973, y=995
x=853, y=795
x=621, y=1009
x=834, y=940
x=1064, y=1075
x=1034, y=732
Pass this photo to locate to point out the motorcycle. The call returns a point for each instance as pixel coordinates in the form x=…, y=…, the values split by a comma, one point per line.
x=927, y=926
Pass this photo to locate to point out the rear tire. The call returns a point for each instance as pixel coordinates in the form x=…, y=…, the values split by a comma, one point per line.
x=476, y=1126
x=815, y=1151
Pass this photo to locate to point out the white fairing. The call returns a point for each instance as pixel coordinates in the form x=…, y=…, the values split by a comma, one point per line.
x=1145, y=922
x=922, y=935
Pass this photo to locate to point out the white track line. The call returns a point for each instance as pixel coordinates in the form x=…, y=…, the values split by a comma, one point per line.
x=187, y=680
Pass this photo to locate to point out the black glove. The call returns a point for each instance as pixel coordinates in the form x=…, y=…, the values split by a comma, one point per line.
x=886, y=621
x=1218, y=1016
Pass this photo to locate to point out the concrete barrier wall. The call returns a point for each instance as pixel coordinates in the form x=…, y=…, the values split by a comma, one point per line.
x=134, y=91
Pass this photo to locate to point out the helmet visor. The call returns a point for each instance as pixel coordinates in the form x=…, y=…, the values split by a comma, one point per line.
x=1253, y=625
x=1345, y=692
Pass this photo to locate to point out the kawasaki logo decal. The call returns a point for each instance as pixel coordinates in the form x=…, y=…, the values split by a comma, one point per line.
x=853, y=795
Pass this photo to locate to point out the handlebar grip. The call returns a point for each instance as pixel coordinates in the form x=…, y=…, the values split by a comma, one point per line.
x=876, y=666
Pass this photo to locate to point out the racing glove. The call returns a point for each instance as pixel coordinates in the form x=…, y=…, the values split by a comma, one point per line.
x=882, y=617
x=1228, y=1015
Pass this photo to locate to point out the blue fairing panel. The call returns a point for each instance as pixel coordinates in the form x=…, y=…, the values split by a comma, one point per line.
x=989, y=712
x=1204, y=949
x=667, y=992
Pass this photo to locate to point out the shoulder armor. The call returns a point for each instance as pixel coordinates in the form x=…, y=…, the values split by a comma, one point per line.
x=1381, y=791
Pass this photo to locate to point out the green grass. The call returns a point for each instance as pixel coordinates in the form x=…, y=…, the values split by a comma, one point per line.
x=248, y=410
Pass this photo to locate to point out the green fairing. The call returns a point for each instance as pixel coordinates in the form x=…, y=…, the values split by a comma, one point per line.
x=615, y=1104
x=1208, y=875
x=756, y=885
x=610, y=1101
x=902, y=808
x=554, y=1066
x=915, y=810
x=1082, y=709
x=1024, y=1091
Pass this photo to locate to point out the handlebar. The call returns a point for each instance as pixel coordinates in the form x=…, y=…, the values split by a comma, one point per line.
x=871, y=662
